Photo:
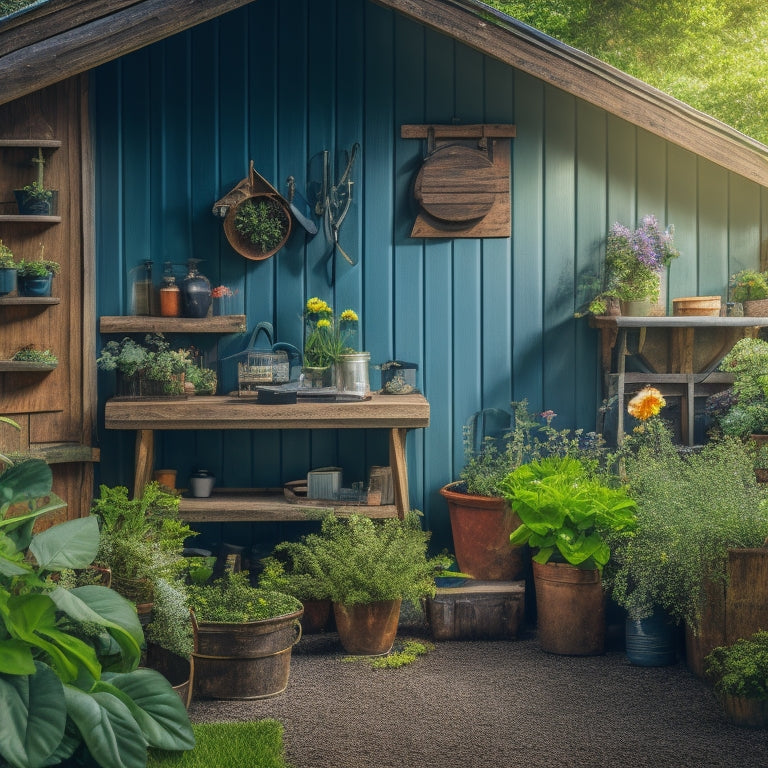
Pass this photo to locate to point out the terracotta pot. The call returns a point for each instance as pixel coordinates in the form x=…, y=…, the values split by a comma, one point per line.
x=481, y=526
x=570, y=605
x=245, y=661
x=636, y=307
x=316, y=616
x=367, y=629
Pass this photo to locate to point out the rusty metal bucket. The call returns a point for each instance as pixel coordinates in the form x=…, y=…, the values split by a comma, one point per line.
x=245, y=661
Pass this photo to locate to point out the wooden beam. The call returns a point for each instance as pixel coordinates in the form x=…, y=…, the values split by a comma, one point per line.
x=99, y=40
x=585, y=77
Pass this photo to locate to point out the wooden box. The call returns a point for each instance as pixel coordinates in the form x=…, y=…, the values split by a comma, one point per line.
x=478, y=610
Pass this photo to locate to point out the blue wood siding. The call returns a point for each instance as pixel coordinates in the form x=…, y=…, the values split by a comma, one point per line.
x=488, y=321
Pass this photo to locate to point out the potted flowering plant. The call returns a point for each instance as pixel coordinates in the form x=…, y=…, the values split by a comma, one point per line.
x=750, y=288
x=326, y=340
x=634, y=262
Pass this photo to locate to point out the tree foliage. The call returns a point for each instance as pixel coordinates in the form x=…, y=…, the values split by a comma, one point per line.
x=710, y=54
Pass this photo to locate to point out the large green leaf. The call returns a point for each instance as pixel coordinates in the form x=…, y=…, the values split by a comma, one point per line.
x=110, y=732
x=72, y=544
x=32, y=618
x=16, y=657
x=157, y=707
x=110, y=610
x=33, y=719
x=25, y=480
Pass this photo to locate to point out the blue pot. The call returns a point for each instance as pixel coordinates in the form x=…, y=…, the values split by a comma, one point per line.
x=651, y=642
x=7, y=280
x=35, y=286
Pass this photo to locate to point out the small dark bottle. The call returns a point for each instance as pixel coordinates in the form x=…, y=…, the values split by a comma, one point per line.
x=195, y=292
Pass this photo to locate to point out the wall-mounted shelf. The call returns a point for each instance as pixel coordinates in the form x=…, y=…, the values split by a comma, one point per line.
x=29, y=218
x=147, y=324
x=19, y=301
x=34, y=143
x=16, y=366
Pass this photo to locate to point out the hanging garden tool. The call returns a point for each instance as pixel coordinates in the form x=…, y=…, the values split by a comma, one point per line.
x=333, y=204
x=301, y=212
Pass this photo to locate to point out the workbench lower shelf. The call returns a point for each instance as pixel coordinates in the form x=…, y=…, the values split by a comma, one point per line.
x=246, y=505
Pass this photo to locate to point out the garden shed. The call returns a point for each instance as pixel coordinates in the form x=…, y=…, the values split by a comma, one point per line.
x=149, y=112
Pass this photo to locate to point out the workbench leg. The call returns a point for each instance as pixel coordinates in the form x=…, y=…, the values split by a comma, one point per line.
x=144, y=460
x=399, y=470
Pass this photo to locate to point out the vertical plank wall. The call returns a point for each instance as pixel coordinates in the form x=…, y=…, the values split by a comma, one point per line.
x=488, y=321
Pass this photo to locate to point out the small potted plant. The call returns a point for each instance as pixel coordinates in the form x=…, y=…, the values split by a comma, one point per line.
x=8, y=270
x=749, y=287
x=368, y=568
x=244, y=638
x=36, y=199
x=150, y=369
x=568, y=513
x=739, y=673
x=634, y=263
x=35, y=277
x=263, y=225
x=42, y=357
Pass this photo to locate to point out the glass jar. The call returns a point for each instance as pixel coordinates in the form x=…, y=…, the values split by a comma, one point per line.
x=170, y=294
x=195, y=292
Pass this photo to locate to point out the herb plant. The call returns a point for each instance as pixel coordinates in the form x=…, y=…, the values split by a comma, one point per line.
x=749, y=285
x=740, y=669
x=39, y=268
x=262, y=223
x=30, y=355
x=231, y=599
x=6, y=257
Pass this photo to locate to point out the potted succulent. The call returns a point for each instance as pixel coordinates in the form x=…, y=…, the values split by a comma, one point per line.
x=635, y=260
x=749, y=287
x=8, y=270
x=739, y=673
x=367, y=568
x=150, y=369
x=35, y=277
x=700, y=513
x=69, y=683
x=244, y=638
x=568, y=512
x=35, y=198
x=496, y=443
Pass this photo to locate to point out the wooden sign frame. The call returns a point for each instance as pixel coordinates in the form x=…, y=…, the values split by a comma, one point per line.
x=495, y=141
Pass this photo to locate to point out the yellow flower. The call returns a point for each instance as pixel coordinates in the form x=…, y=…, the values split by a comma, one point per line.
x=349, y=316
x=646, y=403
x=315, y=305
x=323, y=322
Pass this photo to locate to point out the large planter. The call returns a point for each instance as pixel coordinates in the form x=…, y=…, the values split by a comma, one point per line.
x=650, y=642
x=317, y=614
x=748, y=713
x=245, y=661
x=570, y=606
x=367, y=629
x=481, y=526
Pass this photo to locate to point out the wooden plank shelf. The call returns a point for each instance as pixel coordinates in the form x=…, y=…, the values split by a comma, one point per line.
x=18, y=301
x=269, y=505
x=151, y=324
x=34, y=143
x=63, y=453
x=16, y=366
x=21, y=218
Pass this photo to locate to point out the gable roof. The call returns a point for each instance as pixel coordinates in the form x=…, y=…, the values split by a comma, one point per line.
x=62, y=38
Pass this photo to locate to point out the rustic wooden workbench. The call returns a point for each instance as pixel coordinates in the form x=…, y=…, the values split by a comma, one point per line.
x=397, y=414
x=679, y=354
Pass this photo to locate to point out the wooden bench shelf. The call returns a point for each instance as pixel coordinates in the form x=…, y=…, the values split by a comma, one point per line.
x=18, y=301
x=268, y=504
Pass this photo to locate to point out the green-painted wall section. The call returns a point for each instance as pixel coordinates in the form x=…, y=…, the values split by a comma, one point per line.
x=488, y=321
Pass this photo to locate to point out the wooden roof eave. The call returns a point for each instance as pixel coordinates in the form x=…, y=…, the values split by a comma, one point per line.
x=519, y=45
x=79, y=36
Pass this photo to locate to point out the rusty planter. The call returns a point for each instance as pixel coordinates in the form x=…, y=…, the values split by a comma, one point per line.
x=367, y=629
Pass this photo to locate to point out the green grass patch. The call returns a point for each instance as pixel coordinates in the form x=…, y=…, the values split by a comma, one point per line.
x=228, y=745
x=402, y=653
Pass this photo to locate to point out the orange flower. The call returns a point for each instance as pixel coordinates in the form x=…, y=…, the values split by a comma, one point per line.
x=646, y=403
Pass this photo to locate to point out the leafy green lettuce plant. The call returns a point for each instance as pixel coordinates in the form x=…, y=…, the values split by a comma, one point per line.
x=567, y=512
x=69, y=681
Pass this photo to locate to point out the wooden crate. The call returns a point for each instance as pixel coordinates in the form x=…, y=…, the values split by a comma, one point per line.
x=479, y=610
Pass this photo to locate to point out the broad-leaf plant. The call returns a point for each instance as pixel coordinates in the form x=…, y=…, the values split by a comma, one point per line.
x=70, y=686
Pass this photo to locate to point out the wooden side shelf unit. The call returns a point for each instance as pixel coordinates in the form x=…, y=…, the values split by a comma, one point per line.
x=152, y=324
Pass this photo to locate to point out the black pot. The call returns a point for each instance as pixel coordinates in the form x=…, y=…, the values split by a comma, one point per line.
x=31, y=206
x=195, y=294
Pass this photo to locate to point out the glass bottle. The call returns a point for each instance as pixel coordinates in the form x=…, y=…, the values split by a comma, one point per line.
x=170, y=294
x=143, y=289
x=195, y=292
